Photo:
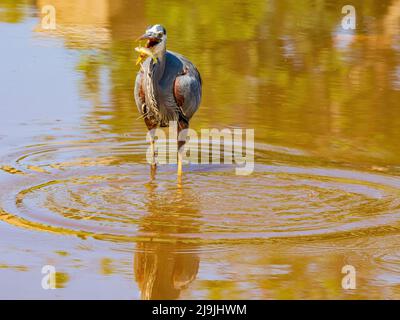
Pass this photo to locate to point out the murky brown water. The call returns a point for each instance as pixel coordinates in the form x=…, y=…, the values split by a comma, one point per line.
x=76, y=191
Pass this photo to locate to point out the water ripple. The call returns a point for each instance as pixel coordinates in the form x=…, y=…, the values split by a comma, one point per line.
x=102, y=190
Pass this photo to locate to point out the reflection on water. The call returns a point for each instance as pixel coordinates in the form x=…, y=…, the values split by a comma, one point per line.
x=162, y=270
x=325, y=191
x=161, y=273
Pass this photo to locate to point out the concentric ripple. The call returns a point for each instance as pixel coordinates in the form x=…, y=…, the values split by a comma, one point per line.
x=102, y=190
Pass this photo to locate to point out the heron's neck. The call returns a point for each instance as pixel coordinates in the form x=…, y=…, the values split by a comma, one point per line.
x=154, y=75
x=159, y=67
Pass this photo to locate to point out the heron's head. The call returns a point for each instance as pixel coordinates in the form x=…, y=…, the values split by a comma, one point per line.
x=156, y=37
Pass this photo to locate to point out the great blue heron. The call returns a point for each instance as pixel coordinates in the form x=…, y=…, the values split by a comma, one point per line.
x=167, y=88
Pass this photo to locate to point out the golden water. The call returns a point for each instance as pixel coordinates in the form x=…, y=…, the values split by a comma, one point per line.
x=76, y=191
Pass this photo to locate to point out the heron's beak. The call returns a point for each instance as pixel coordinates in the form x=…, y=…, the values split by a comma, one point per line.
x=152, y=40
x=144, y=37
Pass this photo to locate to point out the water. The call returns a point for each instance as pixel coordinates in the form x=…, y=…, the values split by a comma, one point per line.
x=77, y=192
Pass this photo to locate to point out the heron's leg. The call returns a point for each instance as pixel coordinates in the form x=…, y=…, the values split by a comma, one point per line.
x=180, y=157
x=153, y=171
x=153, y=164
x=182, y=125
x=153, y=151
x=151, y=127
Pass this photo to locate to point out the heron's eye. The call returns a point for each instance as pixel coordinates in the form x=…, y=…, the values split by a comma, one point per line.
x=160, y=34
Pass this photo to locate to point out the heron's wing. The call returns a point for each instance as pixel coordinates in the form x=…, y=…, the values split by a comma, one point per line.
x=139, y=93
x=187, y=90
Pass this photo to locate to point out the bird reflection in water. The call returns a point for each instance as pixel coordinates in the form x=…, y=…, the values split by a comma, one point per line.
x=163, y=269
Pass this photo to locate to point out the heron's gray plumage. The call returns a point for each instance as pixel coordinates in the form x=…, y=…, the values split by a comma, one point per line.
x=169, y=90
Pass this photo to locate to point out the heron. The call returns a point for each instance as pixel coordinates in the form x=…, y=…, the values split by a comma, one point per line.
x=168, y=88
